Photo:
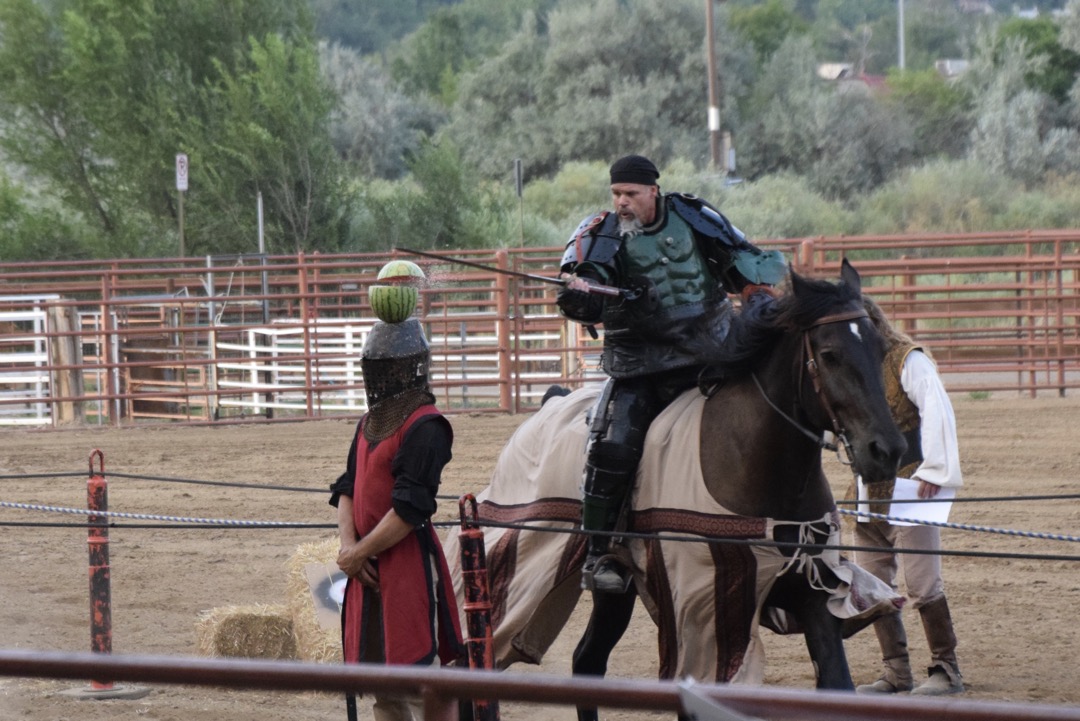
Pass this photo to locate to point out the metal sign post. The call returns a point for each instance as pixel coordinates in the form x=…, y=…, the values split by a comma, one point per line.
x=181, y=188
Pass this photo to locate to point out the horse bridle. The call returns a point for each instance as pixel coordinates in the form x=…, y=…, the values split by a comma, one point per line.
x=814, y=371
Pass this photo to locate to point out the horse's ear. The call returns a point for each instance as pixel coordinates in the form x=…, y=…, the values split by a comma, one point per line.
x=850, y=276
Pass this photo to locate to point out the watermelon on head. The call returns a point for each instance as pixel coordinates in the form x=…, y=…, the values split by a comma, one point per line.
x=394, y=299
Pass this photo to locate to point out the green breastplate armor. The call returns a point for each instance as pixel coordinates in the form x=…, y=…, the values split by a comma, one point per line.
x=671, y=263
x=678, y=298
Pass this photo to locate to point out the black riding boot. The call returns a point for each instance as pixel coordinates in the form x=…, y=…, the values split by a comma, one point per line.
x=601, y=506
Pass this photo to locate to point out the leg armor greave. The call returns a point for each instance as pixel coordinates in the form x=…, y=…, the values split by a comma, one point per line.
x=609, y=475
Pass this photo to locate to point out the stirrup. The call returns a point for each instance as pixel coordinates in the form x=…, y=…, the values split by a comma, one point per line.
x=613, y=576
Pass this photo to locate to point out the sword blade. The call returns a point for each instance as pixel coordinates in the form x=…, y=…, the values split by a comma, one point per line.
x=599, y=289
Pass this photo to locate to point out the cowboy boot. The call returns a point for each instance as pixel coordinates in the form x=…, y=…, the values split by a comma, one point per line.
x=944, y=671
x=893, y=641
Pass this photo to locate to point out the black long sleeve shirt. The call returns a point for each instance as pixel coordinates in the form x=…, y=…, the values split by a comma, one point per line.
x=417, y=469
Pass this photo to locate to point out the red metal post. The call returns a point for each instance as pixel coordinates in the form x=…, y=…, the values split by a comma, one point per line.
x=479, y=644
x=502, y=310
x=97, y=497
x=1059, y=318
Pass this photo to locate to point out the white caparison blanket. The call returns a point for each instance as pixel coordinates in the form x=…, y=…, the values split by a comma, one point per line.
x=707, y=599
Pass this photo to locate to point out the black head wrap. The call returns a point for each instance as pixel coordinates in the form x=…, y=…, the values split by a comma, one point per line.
x=634, y=169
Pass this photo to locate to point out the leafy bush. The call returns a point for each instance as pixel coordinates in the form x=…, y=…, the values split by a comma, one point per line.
x=783, y=206
x=943, y=196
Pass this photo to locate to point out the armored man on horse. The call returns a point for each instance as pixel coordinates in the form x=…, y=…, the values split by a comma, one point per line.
x=676, y=258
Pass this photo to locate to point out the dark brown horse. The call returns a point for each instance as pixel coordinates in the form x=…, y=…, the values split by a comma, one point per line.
x=788, y=372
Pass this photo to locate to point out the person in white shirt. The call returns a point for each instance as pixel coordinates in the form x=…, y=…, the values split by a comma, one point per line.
x=922, y=411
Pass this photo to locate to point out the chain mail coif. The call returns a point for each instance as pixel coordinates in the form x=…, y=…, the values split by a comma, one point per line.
x=386, y=417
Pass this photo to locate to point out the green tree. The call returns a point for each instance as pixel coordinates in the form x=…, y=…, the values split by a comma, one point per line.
x=548, y=97
x=938, y=111
x=783, y=134
x=844, y=30
x=1070, y=39
x=374, y=126
x=99, y=95
x=440, y=205
x=860, y=144
x=266, y=132
x=439, y=52
x=1054, y=77
x=766, y=25
x=370, y=26
x=1070, y=26
x=841, y=137
x=33, y=228
x=1014, y=134
x=932, y=31
x=453, y=40
x=52, y=108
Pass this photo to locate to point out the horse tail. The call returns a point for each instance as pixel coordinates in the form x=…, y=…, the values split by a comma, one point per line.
x=554, y=391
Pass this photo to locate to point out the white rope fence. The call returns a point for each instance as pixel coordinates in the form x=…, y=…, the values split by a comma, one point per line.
x=145, y=516
x=963, y=526
x=285, y=524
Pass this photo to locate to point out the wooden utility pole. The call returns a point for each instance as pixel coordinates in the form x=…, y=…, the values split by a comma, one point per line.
x=714, y=89
x=900, y=33
x=719, y=142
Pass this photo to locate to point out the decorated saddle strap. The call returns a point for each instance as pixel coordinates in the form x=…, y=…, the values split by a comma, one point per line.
x=542, y=509
x=676, y=520
x=654, y=520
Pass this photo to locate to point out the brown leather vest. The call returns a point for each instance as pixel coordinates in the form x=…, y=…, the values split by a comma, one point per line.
x=906, y=416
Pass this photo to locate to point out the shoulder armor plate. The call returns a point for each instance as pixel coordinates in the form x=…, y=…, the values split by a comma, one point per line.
x=707, y=220
x=593, y=241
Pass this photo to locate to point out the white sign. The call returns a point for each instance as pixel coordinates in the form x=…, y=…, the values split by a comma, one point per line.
x=181, y=171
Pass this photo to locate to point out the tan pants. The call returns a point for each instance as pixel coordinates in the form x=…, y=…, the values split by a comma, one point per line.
x=922, y=572
x=398, y=709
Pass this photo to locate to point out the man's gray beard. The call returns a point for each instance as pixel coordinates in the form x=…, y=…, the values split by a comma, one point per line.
x=630, y=228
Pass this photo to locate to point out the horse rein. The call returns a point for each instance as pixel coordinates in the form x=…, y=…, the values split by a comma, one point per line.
x=814, y=371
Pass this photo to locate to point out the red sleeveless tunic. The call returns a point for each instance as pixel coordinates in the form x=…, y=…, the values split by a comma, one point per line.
x=410, y=597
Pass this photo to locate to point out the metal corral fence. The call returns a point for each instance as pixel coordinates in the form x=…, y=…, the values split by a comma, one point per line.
x=440, y=689
x=279, y=337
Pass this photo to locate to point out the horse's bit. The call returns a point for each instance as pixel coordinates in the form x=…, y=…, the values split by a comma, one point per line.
x=814, y=372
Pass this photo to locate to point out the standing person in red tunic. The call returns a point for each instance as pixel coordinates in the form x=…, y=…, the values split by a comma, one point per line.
x=399, y=605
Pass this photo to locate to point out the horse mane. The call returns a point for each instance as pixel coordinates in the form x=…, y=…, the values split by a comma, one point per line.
x=814, y=300
x=757, y=328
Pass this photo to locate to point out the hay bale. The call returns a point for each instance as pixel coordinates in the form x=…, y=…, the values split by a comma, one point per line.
x=256, y=631
x=313, y=579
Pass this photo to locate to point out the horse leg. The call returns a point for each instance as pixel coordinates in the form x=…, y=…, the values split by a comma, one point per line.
x=822, y=630
x=611, y=613
x=825, y=643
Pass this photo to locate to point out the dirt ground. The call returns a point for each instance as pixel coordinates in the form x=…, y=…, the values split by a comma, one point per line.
x=1016, y=626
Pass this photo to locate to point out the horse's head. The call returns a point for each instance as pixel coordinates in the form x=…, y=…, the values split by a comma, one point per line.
x=840, y=371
